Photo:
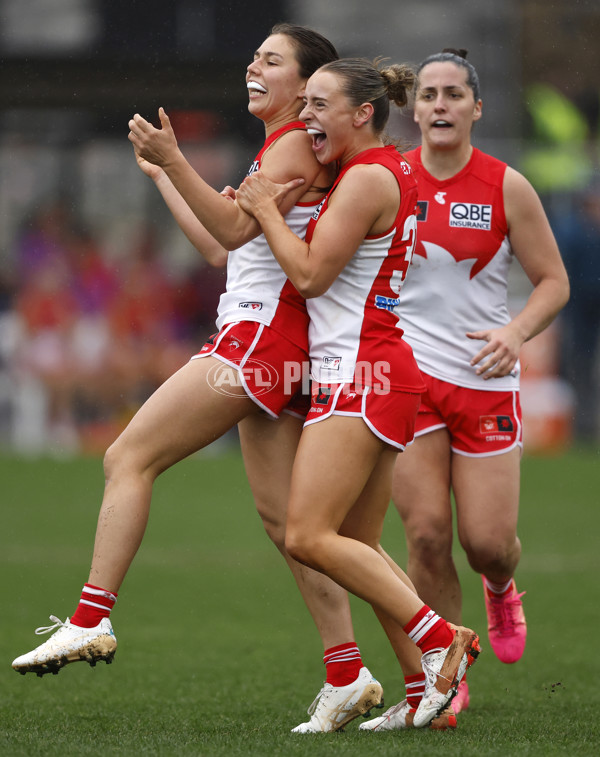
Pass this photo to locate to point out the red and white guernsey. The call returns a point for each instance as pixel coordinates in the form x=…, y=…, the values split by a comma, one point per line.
x=457, y=280
x=257, y=289
x=353, y=333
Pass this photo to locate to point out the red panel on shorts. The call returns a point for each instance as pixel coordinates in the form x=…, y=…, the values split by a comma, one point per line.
x=390, y=415
x=479, y=422
x=266, y=364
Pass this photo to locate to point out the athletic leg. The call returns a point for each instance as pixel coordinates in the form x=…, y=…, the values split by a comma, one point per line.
x=487, y=508
x=184, y=415
x=329, y=476
x=487, y=505
x=421, y=493
x=328, y=479
x=269, y=448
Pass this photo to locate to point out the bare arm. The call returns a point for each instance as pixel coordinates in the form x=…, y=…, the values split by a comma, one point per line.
x=212, y=251
x=535, y=248
x=290, y=156
x=365, y=197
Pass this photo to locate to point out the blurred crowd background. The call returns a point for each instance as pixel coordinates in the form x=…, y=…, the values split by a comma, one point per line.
x=101, y=295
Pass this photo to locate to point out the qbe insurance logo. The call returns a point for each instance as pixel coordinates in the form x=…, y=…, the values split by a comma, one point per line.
x=471, y=215
x=229, y=378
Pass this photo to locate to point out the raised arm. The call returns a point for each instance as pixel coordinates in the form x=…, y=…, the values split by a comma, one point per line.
x=290, y=156
x=211, y=250
x=535, y=248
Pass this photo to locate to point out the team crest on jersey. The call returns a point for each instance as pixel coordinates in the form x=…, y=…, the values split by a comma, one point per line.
x=471, y=215
x=386, y=303
x=331, y=363
x=251, y=305
x=490, y=424
x=422, y=208
x=440, y=197
x=253, y=168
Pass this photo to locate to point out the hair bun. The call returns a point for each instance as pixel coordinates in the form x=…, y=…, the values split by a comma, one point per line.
x=461, y=52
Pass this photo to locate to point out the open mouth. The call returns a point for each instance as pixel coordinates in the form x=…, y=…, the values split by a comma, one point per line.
x=318, y=137
x=441, y=124
x=254, y=86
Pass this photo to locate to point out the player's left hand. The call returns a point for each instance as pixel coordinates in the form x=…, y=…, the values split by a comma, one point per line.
x=499, y=356
x=257, y=192
x=157, y=146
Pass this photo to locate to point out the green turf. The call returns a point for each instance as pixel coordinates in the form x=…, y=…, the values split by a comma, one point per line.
x=217, y=655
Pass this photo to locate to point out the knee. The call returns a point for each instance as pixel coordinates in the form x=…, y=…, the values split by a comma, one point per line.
x=273, y=522
x=430, y=541
x=498, y=553
x=122, y=459
x=112, y=457
x=303, y=547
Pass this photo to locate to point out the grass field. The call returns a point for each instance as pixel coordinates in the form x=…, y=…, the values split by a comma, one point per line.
x=217, y=655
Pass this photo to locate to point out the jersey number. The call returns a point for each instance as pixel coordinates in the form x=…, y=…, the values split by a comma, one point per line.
x=409, y=235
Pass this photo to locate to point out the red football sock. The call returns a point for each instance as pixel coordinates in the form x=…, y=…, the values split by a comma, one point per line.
x=95, y=604
x=429, y=631
x=343, y=664
x=415, y=688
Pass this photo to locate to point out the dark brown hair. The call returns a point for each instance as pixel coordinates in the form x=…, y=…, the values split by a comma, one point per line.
x=459, y=58
x=313, y=50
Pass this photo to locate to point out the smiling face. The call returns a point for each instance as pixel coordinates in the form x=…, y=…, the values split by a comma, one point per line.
x=275, y=87
x=445, y=107
x=330, y=118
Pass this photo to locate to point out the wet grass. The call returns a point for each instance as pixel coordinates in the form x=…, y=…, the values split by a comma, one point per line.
x=217, y=655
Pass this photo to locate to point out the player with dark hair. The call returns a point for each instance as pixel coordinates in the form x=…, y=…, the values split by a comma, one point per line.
x=262, y=321
x=475, y=215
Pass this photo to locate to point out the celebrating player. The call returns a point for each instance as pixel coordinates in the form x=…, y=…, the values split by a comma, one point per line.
x=475, y=215
x=367, y=386
x=262, y=321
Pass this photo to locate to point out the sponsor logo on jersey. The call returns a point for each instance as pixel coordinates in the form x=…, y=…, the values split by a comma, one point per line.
x=386, y=303
x=489, y=424
x=406, y=169
x=251, y=305
x=332, y=363
x=253, y=168
x=422, y=207
x=321, y=395
x=470, y=215
x=440, y=197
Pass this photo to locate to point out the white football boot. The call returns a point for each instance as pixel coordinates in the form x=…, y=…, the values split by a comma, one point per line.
x=401, y=716
x=444, y=670
x=334, y=706
x=69, y=644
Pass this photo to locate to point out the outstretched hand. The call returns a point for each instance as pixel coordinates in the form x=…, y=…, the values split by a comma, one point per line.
x=157, y=146
x=257, y=192
x=499, y=356
x=148, y=168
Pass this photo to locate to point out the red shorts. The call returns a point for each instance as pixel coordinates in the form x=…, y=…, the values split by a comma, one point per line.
x=271, y=369
x=299, y=405
x=390, y=415
x=479, y=422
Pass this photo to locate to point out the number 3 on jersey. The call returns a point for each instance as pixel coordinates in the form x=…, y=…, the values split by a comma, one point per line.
x=409, y=236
